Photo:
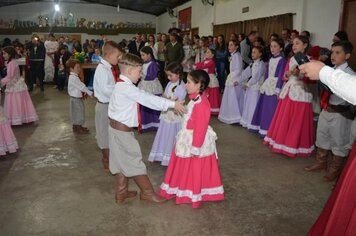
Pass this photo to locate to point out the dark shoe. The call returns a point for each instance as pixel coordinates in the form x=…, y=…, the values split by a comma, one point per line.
x=84, y=130
x=76, y=128
x=122, y=192
x=147, y=192
x=334, y=169
x=320, y=161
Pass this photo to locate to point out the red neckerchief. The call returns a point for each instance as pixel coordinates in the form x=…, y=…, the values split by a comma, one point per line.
x=324, y=99
x=139, y=128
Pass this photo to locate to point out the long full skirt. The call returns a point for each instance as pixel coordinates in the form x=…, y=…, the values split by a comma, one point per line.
x=292, y=131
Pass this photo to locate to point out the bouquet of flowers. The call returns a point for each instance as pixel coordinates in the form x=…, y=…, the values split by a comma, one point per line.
x=80, y=56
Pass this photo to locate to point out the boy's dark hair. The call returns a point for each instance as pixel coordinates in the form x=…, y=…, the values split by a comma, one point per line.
x=148, y=50
x=202, y=77
x=71, y=63
x=345, y=45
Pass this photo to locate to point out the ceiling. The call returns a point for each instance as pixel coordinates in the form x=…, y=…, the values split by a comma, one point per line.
x=147, y=6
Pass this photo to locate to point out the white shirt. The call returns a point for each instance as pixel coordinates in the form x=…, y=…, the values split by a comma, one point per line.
x=124, y=99
x=334, y=99
x=76, y=87
x=341, y=83
x=104, y=82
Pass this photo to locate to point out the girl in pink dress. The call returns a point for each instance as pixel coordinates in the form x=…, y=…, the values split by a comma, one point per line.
x=292, y=131
x=193, y=173
x=18, y=104
x=8, y=142
x=213, y=91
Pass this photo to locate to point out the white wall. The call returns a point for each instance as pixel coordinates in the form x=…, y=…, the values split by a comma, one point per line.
x=320, y=17
x=97, y=12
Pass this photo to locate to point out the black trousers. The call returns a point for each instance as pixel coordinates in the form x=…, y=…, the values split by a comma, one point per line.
x=36, y=71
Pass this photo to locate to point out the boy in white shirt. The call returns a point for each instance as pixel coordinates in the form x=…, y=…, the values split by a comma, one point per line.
x=125, y=153
x=103, y=84
x=77, y=92
x=334, y=124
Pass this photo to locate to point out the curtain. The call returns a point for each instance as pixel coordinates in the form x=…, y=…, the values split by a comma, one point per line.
x=268, y=25
x=228, y=29
x=265, y=26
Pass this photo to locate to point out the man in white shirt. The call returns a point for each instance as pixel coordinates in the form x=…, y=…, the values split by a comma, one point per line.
x=340, y=82
x=104, y=83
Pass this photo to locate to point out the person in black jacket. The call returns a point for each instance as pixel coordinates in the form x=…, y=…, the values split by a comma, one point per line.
x=37, y=57
x=135, y=46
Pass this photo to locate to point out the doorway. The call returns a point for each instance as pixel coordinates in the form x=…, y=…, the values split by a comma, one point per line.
x=347, y=23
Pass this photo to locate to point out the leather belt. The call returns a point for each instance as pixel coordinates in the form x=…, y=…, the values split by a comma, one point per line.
x=119, y=126
x=337, y=108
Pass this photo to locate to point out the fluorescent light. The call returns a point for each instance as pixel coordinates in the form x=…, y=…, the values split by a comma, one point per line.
x=56, y=7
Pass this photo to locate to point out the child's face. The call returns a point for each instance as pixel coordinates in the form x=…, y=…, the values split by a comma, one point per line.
x=97, y=51
x=134, y=73
x=338, y=56
x=209, y=54
x=275, y=48
x=5, y=55
x=201, y=44
x=299, y=46
x=256, y=54
x=76, y=69
x=145, y=56
x=232, y=47
x=191, y=86
x=171, y=76
x=293, y=35
x=113, y=57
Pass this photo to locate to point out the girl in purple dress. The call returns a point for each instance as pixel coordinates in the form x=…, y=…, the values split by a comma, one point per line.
x=148, y=118
x=170, y=123
x=232, y=101
x=270, y=90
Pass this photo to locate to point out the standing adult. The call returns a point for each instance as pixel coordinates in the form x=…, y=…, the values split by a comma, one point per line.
x=246, y=47
x=51, y=46
x=136, y=45
x=221, y=60
x=160, y=46
x=174, y=50
x=286, y=34
x=36, y=58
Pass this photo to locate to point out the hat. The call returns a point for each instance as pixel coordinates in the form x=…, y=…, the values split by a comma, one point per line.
x=342, y=35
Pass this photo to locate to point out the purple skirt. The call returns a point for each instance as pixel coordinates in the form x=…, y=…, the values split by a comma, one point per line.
x=263, y=115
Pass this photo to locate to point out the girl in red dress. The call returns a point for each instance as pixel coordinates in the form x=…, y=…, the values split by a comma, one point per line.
x=193, y=174
x=213, y=90
x=291, y=131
